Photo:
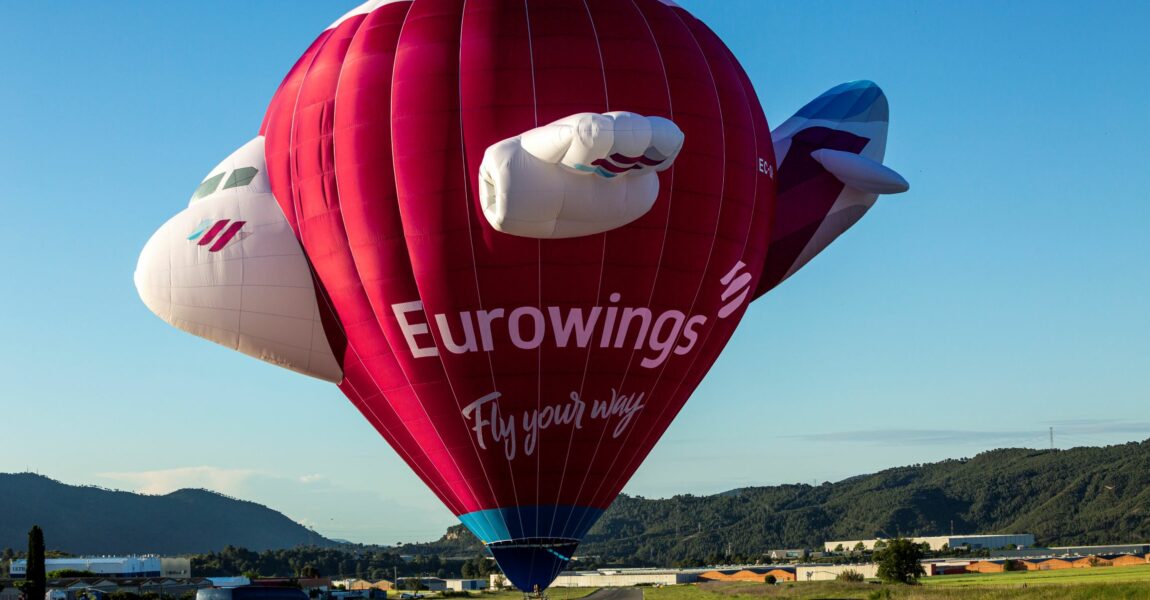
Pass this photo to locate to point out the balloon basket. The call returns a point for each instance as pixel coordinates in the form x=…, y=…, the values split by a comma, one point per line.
x=538, y=594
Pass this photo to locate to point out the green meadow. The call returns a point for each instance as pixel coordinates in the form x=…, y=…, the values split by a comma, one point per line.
x=1107, y=583
x=1134, y=574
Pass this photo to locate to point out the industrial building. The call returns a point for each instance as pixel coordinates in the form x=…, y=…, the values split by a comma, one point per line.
x=71, y=588
x=1107, y=549
x=113, y=566
x=431, y=584
x=363, y=584
x=466, y=585
x=974, y=542
x=828, y=572
x=615, y=578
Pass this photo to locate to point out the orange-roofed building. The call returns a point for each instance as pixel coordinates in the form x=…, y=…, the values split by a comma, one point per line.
x=986, y=566
x=1031, y=564
x=1130, y=560
x=755, y=575
x=1053, y=564
x=780, y=575
x=1087, y=562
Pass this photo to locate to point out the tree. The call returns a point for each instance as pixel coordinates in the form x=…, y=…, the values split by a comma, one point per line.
x=770, y=580
x=860, y=547
x=839, y=548
x=477, y=568
x=62, y=573
x=899, y=560
x=35, y=577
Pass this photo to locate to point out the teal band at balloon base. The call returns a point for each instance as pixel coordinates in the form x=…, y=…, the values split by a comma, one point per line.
x=554, y=521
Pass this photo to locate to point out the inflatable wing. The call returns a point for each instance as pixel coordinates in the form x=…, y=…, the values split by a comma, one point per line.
x=830, y=173
x=582, y=175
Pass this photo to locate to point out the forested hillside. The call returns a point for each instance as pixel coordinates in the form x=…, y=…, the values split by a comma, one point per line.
x=91, y=520
x=1078, y=496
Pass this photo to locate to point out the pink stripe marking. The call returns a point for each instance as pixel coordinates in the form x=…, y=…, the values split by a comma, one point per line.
x=599, y=162
x=211, y=234
x=227, y=236
x=623, y=159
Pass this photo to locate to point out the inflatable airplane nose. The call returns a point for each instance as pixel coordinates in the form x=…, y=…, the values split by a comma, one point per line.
x=229, y=269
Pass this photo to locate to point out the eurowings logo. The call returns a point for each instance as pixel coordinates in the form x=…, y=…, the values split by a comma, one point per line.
x=217, y=234
x=736, y=284
x=611, y=325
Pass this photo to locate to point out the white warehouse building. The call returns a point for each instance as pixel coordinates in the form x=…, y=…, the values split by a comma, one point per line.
x=113, y=566
x=614, y=578
x=974, y=542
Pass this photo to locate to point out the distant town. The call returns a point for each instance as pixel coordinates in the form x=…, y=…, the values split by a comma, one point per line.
x=149, y=577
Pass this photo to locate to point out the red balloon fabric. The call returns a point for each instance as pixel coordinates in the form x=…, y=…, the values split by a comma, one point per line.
x=523, y=379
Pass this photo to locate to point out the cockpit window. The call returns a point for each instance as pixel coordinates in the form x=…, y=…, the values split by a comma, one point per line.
x=208, y=186
x=240, y=177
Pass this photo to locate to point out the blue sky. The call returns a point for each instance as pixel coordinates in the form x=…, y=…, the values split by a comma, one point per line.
x=1006, y=293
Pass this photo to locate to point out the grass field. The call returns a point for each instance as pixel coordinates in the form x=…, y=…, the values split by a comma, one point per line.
x=1140, y=573
x=1124, y=583
x=553, y=594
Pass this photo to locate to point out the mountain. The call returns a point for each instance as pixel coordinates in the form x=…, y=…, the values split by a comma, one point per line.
x=91, y=520
x=1063, y=497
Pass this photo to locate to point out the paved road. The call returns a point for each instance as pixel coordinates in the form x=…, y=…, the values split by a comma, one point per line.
x=631, y=593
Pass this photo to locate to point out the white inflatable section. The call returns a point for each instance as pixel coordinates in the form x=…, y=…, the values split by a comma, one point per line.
x=860, y=172
x=363, y=9
x=371, y=5
x=229, y=269
x=581, y=175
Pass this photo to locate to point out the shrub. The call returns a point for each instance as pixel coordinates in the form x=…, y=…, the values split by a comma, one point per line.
x=851, y=575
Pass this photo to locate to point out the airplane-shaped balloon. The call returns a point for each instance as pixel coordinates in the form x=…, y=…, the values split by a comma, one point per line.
x=516, y=235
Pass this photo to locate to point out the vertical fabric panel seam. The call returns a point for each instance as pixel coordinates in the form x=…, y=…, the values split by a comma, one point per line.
x=335, y=173
x=710, y=252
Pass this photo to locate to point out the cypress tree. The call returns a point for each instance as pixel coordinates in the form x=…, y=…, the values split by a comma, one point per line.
x=36, y=577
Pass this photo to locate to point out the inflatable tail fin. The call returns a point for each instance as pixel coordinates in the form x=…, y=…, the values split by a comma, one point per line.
x=830, y=173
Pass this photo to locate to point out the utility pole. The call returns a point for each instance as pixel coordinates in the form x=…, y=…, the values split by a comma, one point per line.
x=1052, y=438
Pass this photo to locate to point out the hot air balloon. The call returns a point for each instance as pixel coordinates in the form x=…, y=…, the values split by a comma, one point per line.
x=516, y=235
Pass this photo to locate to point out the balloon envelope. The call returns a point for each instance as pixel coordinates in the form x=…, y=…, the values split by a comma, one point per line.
x=524, y=379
